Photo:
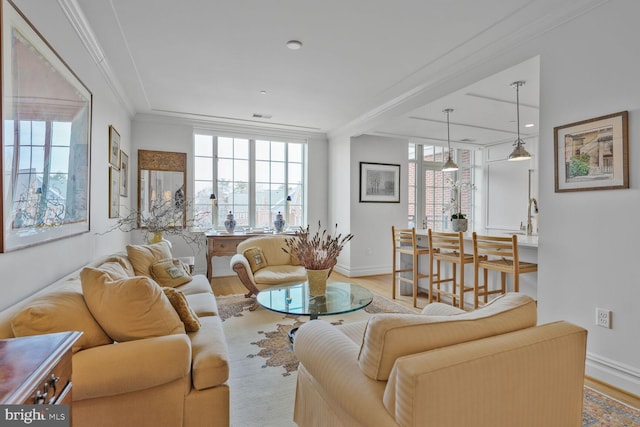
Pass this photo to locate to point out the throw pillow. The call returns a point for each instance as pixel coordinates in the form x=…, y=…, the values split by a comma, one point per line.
x=129, y=309
x=180, y=304
x=143, y=256
x=114, y=269
x=170, y=272
x=60, y=312
x=256, y=258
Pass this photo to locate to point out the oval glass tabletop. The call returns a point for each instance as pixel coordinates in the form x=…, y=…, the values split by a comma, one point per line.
x=295, y=299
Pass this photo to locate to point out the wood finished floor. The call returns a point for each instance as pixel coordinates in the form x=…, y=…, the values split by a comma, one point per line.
x=381, y=285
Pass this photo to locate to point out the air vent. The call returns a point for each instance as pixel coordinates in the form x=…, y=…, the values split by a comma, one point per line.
x=467, y=140
x=261, y=116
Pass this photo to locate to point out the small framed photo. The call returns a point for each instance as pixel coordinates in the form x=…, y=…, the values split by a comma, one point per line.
x=379, y=183
x=114, y=147
x=124, y=174
x=114, y=190
x=592, y=154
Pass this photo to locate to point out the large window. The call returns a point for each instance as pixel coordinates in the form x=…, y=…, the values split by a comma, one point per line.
x=429, y=192
x=253, y=178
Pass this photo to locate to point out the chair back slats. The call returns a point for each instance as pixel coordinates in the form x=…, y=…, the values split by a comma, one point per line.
x=495, y=246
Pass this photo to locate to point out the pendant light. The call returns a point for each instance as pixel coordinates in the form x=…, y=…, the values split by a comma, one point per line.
x=518, y=153
x=449, y=165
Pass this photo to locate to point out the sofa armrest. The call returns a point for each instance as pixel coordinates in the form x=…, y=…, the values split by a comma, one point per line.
x=503, y=380
x=330, y=357
x=440, y=309
x=130, y=366
x=241, y=266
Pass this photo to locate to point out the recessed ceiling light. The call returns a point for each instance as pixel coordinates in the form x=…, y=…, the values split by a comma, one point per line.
x=294, y=44
x=263, y=92
x=529, y=125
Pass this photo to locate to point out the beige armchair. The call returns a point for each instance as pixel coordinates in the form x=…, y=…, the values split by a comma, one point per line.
x=445, y=367
x=260, y=262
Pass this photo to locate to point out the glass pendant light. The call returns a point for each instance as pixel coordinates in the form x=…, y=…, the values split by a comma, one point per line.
x=449, y=165
x=518, y=153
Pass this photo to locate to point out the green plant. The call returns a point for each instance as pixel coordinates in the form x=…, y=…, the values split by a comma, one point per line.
x=317, y=252
x=579, y=165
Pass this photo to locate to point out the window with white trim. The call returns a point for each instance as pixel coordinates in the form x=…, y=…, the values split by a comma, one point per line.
x=429, y=193
x=252, y=178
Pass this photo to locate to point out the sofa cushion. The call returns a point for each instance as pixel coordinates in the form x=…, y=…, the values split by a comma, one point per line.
x=256, y=259
x=114, y=269
x=210, y=364
x=275, y=275
x=390, y=336
x=203, y=304
x=142, y=257
x=198, y=285
x=170, y=272
x=60, y=311
x=188, y=317
x=129, y=309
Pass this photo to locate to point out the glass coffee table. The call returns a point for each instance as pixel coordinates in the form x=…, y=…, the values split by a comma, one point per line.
x=295, y=299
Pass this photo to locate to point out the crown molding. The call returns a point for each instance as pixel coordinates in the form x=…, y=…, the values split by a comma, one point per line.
x=82, y=28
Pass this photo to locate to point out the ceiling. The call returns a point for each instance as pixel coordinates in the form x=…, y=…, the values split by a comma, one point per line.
x=366, y=66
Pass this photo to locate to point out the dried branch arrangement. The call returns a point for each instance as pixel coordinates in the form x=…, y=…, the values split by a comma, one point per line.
x=319, y=251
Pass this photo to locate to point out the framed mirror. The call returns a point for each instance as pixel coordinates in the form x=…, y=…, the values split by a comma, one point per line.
x=162, y=189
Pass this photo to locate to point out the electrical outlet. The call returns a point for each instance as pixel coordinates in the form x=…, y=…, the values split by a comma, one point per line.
x=603, y=317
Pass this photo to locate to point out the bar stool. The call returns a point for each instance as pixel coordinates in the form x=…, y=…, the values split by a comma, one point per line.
x=404, y=242
x=497, y=253
x=448, y=247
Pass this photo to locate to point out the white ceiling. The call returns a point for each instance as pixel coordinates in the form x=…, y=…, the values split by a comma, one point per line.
x=361, y=63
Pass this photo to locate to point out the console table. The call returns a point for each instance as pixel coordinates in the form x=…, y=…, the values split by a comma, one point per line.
x=225, y=244
x=37, y=369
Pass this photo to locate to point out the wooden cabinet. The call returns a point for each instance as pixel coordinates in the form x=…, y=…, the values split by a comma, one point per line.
x=37, y=369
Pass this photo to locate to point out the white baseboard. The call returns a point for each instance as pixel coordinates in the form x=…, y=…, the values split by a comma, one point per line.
x=362, y=271
x=614, y=373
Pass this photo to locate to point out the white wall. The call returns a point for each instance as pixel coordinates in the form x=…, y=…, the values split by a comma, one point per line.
x=371, y=248
x=588, y=240
x=27, y=270
x=170, y=134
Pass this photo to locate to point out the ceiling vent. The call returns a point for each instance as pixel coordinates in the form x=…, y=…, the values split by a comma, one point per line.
x=261, y=116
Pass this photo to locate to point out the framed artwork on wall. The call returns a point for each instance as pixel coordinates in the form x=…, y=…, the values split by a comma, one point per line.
x=45, y=109
x=379, y=183
x=124, y=174
x=592, y=154
x=114, y=147
x=114, y=192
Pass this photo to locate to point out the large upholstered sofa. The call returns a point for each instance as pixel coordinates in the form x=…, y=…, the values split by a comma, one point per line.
x=261, y=262
x=445, y=367
x=148, y=356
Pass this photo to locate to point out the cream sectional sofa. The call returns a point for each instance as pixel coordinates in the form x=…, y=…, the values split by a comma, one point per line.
x=445, y=367
x=156, y=373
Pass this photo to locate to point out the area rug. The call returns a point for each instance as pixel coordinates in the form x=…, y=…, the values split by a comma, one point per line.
x=262, y=366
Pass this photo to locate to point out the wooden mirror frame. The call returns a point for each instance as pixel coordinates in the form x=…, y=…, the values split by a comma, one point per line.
x=163, y=161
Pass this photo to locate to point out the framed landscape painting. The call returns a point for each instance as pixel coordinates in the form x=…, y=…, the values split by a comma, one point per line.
x=114, y=147
x=46, y=139
x=592, y=154
x=379, y=183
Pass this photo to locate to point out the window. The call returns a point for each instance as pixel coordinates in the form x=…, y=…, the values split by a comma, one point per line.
x=429, y=194
x=253, y=178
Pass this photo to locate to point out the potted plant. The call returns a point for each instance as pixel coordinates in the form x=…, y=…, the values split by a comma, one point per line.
x=454, y=207
x=317, y=253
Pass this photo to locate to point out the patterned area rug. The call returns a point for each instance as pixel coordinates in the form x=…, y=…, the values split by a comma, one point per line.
x=262, y=376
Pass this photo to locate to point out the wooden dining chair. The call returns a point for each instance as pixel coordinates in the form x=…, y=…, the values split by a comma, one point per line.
x=448, y=248
x=405, y=242
x=497, y=253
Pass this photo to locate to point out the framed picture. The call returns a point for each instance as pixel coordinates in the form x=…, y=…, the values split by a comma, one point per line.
x=379, y=183
x=592, y=154
x=114, y=147
x=114, y=191
x=124, y=174
x=45, y=109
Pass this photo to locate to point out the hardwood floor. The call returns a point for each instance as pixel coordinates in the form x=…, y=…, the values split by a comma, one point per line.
x=381, y=285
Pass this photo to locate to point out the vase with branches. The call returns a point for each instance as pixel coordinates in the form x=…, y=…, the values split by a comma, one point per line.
x=317, y=252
